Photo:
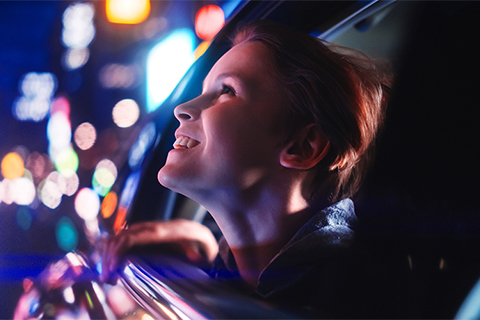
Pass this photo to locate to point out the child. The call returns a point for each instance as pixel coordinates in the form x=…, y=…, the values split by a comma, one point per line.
x=273, y=148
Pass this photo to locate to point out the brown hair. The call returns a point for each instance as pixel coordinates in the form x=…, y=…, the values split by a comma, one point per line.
x=339, y=89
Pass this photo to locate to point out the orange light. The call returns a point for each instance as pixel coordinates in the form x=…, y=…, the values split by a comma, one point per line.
x=209, y=20
x=202, y=47
x=109, y=204
x=120, y=219
x=127, y=11
x=12, y=166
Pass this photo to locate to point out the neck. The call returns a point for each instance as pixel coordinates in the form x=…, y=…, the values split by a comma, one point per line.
x=257, y=228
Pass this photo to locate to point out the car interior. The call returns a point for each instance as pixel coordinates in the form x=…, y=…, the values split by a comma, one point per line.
x=417, y=206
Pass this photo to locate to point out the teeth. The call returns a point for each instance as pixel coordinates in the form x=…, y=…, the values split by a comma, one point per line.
x=185, y=143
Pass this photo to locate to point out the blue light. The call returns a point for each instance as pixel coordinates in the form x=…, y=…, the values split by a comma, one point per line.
x=66, y=234
x=167, y=62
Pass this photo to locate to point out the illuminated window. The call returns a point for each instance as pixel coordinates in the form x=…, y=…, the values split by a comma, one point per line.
x=167, y=62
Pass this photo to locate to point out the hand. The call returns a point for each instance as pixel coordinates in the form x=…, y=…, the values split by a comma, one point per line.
x=191, y=239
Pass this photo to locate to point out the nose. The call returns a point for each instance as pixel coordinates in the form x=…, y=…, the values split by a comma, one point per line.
x=187, y=111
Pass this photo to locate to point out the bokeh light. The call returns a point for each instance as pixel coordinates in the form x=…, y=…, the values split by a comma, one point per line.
x=12, y=166
x=87, y=204
x=125, y=113
x=72, y=183
x=59, y=131
x=85, y=136
x=60, y=104
x=104, y=177
x=78, y=29
x=109, y=204
x=66, y=234
x=24, y=191
x=75, y=58
x=50, y=193
x=116, y=75
x=41, y=85
x=167, y=63
x=39, y=165
x=200, y=50
x=37, y=90
x=2, y=191
x=127, y=11
x=208, y=22
x=8, y=191
x=58, y=179
x=144, y=141
x=66, y=161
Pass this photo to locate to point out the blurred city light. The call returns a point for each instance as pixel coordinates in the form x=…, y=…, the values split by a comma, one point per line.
x=87, y=204
x=201, y=48
x=109, y=204
x=58, y=179
x=50, y=193
x=37, y=90
x=144, y=141
x=167, y=62
x=78, y=29
x=116, y=75
x=66, y=161
x=39, y=166
x=208, y=22
x=104, y=177
x=75, y=58
x=85, y=136
x=127, y=11
x=125, y=113
x=66, y=234
x=59, y=132
x=12, y=166
x=8, y=191
x=60, y=104
x=24, y=193
x=72, y=183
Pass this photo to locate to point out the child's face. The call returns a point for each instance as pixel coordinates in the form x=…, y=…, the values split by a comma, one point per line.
x=229, y=137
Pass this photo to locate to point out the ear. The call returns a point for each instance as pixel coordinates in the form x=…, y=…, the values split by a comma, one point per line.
x=308, y=147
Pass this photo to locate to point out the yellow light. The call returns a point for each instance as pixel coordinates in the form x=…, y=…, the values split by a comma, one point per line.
x=127, y=11
x=202, y=47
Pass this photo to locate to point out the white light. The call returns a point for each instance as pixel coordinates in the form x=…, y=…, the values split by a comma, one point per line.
x=125, y=113
x=68, y=295
x=37, y=90
x=59, y=131
x=78, y=29
x=24, y=191
x=87, y=204
x=40, y=85
x=34, y=109
x=167, y=62
x=75, y=58
x=51, y=195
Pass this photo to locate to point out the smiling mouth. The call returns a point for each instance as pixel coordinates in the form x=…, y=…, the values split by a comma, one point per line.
x=185, y=143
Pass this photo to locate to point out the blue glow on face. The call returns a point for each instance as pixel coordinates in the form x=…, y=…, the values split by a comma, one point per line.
x=167, y=62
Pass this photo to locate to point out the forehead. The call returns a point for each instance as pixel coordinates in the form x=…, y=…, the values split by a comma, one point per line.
x=250, y=62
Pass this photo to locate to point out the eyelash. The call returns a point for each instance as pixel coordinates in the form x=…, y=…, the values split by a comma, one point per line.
x=227, y=90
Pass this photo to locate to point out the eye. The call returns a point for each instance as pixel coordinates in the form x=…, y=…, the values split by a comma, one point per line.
x=226, y=89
